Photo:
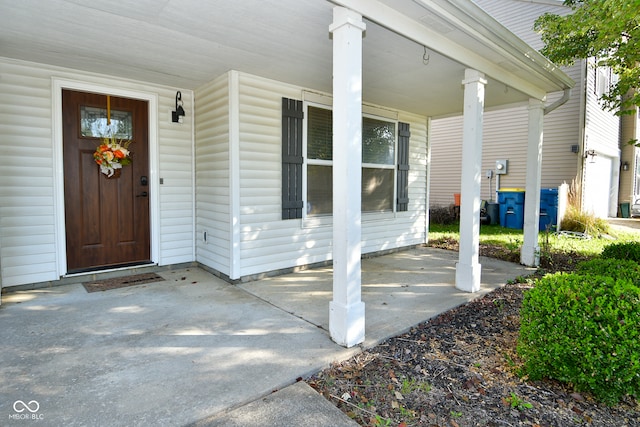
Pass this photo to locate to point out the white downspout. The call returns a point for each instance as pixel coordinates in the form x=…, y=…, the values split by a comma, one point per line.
x=563, y=100
x=530, y=252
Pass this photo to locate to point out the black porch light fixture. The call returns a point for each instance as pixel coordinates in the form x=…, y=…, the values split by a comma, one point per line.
x=178, y=114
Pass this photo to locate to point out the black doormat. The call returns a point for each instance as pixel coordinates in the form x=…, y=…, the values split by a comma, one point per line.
x=121, y=282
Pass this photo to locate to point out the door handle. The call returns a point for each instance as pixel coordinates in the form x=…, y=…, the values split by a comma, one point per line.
x=143, y=194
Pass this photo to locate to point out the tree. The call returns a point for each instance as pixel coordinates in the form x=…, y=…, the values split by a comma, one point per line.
x=608, y=30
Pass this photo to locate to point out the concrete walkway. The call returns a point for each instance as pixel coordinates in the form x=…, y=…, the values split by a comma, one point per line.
x=195, y=350
x=629, y=225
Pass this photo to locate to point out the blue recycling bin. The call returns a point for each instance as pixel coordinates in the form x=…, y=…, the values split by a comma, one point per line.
x=548, y=209
x=511, y=201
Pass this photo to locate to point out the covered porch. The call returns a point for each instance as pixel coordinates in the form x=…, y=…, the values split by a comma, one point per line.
x=192, y=346
x=423, y=58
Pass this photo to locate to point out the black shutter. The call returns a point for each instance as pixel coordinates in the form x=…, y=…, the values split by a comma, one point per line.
x=403, y=167
x=292, y=116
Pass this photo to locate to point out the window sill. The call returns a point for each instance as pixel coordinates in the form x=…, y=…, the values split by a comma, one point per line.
x=327, y=220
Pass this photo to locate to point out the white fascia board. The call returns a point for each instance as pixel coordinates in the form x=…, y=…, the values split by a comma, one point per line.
x=484, y=27
x=557, y=3
x=401, y=24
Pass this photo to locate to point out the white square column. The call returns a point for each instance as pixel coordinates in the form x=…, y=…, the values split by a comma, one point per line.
x=467, y=268
x=346, y=310
x=530, y=252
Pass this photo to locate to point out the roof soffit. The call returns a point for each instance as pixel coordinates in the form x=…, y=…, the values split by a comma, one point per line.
x=463, y=32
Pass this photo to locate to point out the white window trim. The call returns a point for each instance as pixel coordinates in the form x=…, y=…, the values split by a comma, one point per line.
x=314, y=221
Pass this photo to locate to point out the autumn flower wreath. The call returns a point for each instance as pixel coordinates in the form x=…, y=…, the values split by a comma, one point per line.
x=111, y=155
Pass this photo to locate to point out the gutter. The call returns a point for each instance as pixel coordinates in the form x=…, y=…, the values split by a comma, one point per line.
x=481, y=25
x=563, y=100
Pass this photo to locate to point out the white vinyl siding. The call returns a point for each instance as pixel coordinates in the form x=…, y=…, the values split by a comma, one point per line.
x=505, y=130
x=519, y=15
x=266, y=241
x=601, y=135
x=628, y=130
x=175, y=152
x=28, y=216
x=269, y=243
x=505, y=137
x=501, y=128
x=27, y=229
x=212, y=175
x=245, y=232
x=599, y=124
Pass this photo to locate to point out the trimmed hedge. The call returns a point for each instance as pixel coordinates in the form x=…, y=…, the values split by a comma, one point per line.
x=611, y=267
x=625, y=250
x=584, y=330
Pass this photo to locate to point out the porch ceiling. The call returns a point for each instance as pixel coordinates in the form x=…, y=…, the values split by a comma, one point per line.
x=186, y=43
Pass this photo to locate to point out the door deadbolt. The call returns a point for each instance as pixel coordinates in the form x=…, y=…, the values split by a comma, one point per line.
x=144, y=181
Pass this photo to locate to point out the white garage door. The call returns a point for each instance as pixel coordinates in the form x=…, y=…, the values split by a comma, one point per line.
x=597, y=185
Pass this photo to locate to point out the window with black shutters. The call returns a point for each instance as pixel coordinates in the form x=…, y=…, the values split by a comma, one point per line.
x=292, y=160
x=385, y=162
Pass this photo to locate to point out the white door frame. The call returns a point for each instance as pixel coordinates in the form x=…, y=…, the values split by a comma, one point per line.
x=58, y=171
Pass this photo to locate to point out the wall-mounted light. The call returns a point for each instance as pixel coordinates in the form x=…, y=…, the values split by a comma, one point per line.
x=591, y=155
x=177, y=116
x=625, y=166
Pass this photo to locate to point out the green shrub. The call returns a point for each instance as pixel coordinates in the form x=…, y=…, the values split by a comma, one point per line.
x=583, y=330
x=441, y=215
x=611, y=267
x=623, y=250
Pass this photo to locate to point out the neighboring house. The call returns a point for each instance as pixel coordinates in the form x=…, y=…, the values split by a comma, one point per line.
x=303, y=142
x=581, y=140
x=629, y=191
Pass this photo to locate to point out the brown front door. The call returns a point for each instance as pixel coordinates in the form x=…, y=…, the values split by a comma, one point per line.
x=107, y=219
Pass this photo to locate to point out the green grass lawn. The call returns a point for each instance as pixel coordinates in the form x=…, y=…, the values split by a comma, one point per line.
x=512, y=239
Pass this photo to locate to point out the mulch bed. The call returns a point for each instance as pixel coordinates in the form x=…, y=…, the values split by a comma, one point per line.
x=121, y=282
x=461, y=369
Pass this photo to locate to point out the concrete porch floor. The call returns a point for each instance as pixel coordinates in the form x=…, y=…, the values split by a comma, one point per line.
x=399, y=290
x=191, y=349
